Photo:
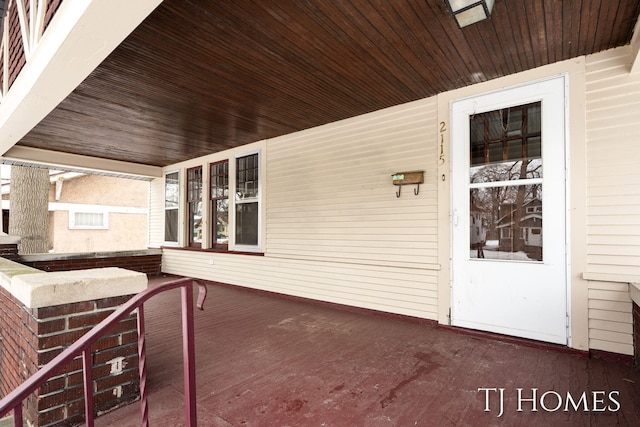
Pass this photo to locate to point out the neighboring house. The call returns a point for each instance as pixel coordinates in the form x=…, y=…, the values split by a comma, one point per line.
x=269, y=134
x=94, y=213
x=529, y=230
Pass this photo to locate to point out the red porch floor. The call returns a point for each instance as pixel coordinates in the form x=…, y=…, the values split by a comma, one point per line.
x=265, y=361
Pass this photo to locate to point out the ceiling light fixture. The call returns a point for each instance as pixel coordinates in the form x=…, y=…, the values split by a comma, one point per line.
x=469, y=12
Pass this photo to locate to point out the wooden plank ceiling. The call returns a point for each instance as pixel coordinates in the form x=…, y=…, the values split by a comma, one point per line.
x=199, y=76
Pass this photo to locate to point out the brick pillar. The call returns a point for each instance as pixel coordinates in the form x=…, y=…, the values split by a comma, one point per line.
x=31, y=337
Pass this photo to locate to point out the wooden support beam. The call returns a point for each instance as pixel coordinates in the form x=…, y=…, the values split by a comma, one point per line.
x=58, y=160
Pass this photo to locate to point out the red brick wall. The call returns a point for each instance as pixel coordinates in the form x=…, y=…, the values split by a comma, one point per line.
x=17, y=353
x=10, y=252
x=17, y=57
x=29, y=338
x=148, y=264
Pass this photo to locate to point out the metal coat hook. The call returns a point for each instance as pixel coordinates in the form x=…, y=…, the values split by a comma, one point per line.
x=416, y=190
x=408, y=178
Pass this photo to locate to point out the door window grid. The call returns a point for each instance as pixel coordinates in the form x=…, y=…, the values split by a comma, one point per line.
x=506, y=184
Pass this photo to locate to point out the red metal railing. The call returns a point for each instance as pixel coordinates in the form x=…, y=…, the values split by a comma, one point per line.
x=13, y=401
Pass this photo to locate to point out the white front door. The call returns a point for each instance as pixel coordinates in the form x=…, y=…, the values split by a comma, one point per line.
x=509, y=212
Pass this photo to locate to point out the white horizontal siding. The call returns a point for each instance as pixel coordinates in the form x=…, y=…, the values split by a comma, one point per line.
x=610, y=318
x=334, y=229
x=156, y=212
x=390, y=289
x=330, y=193
x=613, y=184
x=613, y=196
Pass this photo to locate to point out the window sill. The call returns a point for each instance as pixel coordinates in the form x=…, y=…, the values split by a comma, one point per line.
x=212, y=250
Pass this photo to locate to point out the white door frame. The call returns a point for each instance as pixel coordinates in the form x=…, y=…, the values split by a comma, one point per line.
x=492, y=101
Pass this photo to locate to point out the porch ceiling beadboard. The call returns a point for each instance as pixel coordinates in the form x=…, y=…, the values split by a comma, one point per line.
x=202, y=76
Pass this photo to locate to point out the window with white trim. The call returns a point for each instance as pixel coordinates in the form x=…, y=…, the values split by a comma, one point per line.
x=219, y=193
x=247, y=201
x=171, y=206
x=194, y=206
x=88, y=220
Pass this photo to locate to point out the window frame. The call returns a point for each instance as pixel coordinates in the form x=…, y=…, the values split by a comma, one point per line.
x=208, y=242
x=214, y=199
x=175, y=242
x=248, y=200
x=189, y=204
x=74, y=226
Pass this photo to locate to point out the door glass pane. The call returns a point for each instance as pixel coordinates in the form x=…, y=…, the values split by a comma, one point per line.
x=507, y=171
x=534, y=149
x=511, y=150
x=495, y=123
x=514, y=120
x=533, y=116
x=505, y=218
x=506, y=222
x=514, y=149
x=495, y=152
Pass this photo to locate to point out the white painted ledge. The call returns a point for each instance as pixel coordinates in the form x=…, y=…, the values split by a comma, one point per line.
x=6, y=239
x=606, y=277
x=36, y=289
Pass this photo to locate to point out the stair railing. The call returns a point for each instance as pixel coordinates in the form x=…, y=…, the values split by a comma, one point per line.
x=13, y=401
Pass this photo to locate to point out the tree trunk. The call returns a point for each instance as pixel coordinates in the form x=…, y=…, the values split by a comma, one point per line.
x=29, y=209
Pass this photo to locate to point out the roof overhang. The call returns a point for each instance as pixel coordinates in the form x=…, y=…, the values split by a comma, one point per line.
x=80, y=36
x=137, y=86
x=28, y=156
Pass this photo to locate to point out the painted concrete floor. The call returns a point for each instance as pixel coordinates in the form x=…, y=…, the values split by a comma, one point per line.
x=266, y=361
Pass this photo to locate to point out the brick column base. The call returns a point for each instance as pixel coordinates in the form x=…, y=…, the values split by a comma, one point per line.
x=30, y=338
